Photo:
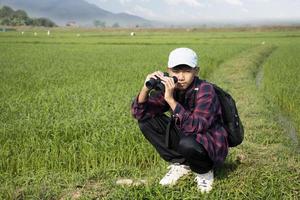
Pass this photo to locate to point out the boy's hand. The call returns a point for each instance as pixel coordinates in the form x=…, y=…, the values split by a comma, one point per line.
x=169, y=90
x=143, y=96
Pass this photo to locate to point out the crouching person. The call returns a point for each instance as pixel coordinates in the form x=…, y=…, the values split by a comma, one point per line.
x=193, y=138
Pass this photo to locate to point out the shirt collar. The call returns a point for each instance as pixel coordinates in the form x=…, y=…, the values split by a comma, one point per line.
x=192, y=87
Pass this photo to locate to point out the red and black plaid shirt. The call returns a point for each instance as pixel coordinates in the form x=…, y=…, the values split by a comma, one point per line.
x=197, y=112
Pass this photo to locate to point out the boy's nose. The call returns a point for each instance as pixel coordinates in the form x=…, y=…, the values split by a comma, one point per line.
x=180, y=76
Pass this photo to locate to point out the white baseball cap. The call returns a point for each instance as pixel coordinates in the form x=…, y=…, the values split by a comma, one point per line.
x=182, y=56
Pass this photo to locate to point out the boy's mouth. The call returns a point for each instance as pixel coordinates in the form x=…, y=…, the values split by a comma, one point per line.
x=181, y=85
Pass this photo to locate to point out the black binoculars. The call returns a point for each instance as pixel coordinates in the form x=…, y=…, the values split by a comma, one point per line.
x=156, y=84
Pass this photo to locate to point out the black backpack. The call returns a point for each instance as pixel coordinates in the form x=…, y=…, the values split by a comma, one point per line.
x=230, y=117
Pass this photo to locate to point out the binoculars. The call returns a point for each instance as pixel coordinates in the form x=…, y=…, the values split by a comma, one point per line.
x=156, y=84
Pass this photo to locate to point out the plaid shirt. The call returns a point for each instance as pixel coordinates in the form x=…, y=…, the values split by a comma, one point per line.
x=198, y=113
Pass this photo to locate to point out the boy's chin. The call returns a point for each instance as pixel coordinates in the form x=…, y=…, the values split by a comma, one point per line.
x=180, y=88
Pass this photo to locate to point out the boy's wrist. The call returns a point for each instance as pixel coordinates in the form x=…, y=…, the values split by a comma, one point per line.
x=172, y=103
x=145, y=89
x=143, y=96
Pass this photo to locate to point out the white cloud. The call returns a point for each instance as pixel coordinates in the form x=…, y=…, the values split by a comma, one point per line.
x=234, y=2
x=142, y=11
x=95, y=1
x=245, y=10
x=262, y=1
x=125, y=1
x=187, y=2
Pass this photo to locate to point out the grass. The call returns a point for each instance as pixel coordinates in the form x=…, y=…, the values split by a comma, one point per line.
x=66, y=129
x=281, y=80
x=266, y=147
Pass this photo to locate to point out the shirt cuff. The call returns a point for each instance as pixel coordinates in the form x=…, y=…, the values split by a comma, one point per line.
x=138, y=105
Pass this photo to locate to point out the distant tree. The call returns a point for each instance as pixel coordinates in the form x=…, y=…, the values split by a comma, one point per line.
x=20, y=14
x=6, y=11
x=10, y=17
x=43, y=22
x=5, y=21
x=116, y=25
x=99, y=23
x=29, y=21
x=17, y=22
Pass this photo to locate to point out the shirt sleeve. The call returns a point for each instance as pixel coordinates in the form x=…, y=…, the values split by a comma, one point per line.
x=201, y=118
x=154, y=105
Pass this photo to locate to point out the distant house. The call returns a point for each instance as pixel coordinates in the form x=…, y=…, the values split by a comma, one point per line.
x=71, y=24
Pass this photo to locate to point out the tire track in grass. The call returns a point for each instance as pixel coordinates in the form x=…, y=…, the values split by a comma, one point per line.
x=284, y=120
x=264, y=166
x=289, y=126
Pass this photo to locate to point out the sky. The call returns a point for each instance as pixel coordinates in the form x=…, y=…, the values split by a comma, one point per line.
x=205, y=10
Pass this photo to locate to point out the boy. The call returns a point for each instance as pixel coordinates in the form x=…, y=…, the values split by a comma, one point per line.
x=193, y=138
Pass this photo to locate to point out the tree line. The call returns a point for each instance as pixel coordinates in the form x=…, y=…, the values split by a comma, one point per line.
x=9, y=17
x=102, y=24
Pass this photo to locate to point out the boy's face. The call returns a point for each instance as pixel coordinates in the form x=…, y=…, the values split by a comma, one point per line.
x=185, y=75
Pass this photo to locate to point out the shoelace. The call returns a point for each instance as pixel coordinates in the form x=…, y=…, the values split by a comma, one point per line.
x=172, y=168
x=203, y=183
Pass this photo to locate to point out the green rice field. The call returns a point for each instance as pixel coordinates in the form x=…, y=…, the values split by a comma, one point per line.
x=66, y=131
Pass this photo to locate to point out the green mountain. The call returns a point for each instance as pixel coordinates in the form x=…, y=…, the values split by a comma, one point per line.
x=79, y=11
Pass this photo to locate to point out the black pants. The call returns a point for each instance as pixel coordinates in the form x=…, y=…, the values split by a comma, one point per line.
x=184, y=149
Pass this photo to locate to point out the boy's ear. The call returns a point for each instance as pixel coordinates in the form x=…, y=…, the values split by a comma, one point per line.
x=196, y=70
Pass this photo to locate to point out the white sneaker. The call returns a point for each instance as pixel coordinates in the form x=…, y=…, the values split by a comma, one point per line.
x=176, y=171
x=205, y=181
